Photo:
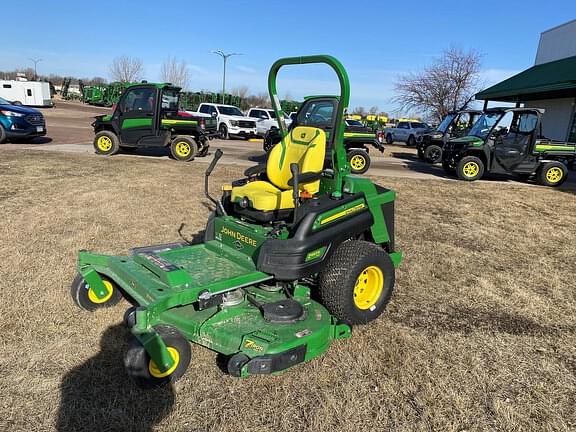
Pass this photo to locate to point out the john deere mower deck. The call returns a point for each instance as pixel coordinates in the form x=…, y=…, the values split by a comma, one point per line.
x=292, y=256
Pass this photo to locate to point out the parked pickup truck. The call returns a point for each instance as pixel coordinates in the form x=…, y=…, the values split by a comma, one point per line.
x=231, y=121
x=509, y=141
x=406, y=131
x=266, y=119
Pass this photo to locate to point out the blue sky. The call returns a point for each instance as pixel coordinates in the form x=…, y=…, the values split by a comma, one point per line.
x=375, y=41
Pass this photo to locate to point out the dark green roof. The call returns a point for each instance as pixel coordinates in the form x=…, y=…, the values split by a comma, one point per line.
x=545, y=81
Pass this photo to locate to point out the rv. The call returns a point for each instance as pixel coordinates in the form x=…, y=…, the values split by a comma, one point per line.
x=30, y=93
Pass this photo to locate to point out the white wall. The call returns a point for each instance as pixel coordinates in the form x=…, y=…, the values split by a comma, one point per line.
x=556, y=120
x=557, y=43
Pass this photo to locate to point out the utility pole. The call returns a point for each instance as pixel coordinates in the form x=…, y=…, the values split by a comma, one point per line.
x=36, y=61
x=225, y=58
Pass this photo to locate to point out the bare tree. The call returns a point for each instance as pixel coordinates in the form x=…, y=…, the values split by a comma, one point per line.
x=373, y=109
x=175, y=72
x=449, y=84
x=359, y=110
x=126, y=69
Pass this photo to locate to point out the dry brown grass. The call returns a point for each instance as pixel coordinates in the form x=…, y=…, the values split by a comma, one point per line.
x=480, y=333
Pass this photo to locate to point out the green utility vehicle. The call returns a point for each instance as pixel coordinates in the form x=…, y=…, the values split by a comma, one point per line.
x=454, y=125
x=357, y=137
x=148, y=115
x=509, y=141
x=292, y=256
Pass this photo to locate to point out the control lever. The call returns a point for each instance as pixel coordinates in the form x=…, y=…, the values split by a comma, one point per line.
x=219, y=207
x=295, y=170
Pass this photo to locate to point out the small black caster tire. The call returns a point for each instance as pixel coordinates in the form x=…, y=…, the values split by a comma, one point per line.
x=85, y=298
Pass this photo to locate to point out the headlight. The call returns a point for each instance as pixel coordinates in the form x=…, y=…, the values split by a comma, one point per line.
x=437, y=136
x=11, y=113
x=233, y=122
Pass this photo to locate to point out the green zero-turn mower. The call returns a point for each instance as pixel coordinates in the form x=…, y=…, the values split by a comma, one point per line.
x=292, y=256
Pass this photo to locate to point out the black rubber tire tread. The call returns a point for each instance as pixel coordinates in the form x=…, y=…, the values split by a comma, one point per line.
x=337, y=280
x=464, y=161
x=411, y=142
x=115, y=143
x=235, y=364
x=223, y=129
x=136, y=359
x=79, y=293
x=365, y=155
x=193, y=148
x=2, y=135
x=429, y=156
x=541, y=175
x=389, y=139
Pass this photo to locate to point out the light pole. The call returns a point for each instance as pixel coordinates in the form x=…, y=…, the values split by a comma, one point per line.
x=36, y=61
x=225, y=58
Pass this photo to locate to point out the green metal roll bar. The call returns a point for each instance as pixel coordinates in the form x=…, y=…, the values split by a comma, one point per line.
x=339, y=159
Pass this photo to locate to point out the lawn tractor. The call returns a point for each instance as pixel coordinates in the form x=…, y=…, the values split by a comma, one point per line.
x=147, y=115
x=358, y=138
x=509, y=141
x=293, y=255
x=454, y=125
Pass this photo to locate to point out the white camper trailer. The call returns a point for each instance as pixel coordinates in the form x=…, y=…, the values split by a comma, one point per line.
x=30, y=93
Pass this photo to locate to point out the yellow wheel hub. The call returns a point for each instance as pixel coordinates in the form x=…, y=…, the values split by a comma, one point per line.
x=554, y=175
x=368, y=288
x=92, y=296
x=471, y=169
x=155, y=372
x=358, y=162
x=182, y=148
x=104, y=143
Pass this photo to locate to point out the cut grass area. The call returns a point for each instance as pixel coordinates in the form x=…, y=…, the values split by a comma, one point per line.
x=480, y=333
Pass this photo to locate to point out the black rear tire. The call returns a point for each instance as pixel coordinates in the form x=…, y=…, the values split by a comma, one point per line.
x=2, y=135
x=223, y=132
x=433, y=154
x=106, y=143
x=389, y=139
x=183, y=148
x=139, y=366
x=359, y=161
x=411, y=141
x=87, y=300
x=552, y=174
x=347, y=272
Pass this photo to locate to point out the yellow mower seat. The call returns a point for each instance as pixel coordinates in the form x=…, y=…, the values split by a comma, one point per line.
x=303, y=145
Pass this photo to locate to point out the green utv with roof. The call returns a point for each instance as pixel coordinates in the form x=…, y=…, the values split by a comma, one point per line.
x=292, y=256
x=358, y=138
x=148, y=115
x=509, y=141
x=454, y=125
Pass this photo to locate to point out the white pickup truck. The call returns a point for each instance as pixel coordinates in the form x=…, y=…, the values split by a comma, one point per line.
x=266, y=119
x=406, y=131
x=231, y=121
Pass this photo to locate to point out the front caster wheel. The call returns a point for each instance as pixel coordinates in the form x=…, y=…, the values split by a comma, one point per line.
x=85, y=297
x=142, y=369
x=357, y=282
x=236, y=363
x=359, y=161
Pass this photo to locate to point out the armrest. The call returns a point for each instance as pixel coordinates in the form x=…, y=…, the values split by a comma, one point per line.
x=307, y=177
x=255, y=170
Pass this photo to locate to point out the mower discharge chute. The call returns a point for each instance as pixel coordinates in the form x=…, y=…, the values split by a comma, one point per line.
x=293, y=255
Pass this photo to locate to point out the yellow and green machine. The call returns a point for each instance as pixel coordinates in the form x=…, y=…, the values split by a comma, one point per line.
x=293, y=255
